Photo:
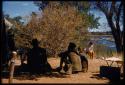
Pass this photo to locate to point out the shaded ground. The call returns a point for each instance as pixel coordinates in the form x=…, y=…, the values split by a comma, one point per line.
x=92, y=76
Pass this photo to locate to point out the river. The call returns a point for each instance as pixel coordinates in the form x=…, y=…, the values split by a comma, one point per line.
x=105, y=40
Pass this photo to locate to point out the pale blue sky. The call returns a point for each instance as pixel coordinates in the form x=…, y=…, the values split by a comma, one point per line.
x=23, y=8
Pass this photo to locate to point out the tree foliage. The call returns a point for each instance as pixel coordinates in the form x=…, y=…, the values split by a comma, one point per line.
x=57, y=25
x=82, y=7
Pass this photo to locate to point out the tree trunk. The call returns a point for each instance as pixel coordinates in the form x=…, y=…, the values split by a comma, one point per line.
x=118, y=46
x=3, y=45
x=11, y=72
x=12, y=66
x=116, y=35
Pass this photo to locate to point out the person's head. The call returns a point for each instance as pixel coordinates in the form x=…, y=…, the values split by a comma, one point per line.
x=14, y=55
x=79, y=48
x=71, y=46
x=90, y=43
x=35, y=43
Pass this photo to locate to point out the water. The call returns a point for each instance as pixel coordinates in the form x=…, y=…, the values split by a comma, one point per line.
x=107, y=42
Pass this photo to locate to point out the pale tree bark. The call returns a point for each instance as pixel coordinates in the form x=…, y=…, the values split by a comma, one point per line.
x=12, y=66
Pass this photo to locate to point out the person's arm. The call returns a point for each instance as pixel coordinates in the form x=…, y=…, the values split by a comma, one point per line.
x=61, y=55
x=61, y=62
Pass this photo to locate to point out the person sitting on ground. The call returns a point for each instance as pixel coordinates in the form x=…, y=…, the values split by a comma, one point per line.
x=71, y=59
x=84, y=60
x=64, y=60
x=37, y=59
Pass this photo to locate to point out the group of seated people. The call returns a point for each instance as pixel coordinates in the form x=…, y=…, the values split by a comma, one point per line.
x=71, y=61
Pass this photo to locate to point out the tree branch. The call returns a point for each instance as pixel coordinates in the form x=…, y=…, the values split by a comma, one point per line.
x=102, y=7
x=110, y=13
x=118, y=12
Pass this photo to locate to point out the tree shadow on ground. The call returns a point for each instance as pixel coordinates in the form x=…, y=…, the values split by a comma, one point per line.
x=98, y=76
x=111, y=81
x=36, y=76
x=5, y=74
x=27, y=76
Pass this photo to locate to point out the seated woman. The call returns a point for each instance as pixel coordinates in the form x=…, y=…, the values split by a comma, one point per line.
x=37, y=59
x=71, y=59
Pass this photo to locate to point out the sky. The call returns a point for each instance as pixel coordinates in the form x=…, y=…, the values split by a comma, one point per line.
x=19, y=8
x=25, y=8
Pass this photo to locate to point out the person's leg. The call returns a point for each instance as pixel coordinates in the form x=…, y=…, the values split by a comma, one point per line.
x=68, y=69
x=92, y=55
x=48, y=68
x=89, y=55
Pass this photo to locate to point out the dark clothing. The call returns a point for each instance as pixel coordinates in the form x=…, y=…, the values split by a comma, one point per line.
x=84, y=61
x=37, y=56
x=65, y=58
x=37, y=60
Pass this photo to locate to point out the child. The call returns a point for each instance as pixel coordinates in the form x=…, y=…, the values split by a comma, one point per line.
x=89, y=50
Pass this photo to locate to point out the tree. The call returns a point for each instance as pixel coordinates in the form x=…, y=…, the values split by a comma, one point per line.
x=57, y=25
x=18, y=19
x=7, y=16
x=66, y=21
x=3, y=40
x=83, y=7
x=113, y=12
x=20, y=34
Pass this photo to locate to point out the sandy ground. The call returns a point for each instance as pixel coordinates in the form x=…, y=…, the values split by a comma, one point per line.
x=85, y=78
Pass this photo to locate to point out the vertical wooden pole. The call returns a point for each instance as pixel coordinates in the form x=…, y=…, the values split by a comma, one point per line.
x=12, y=65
